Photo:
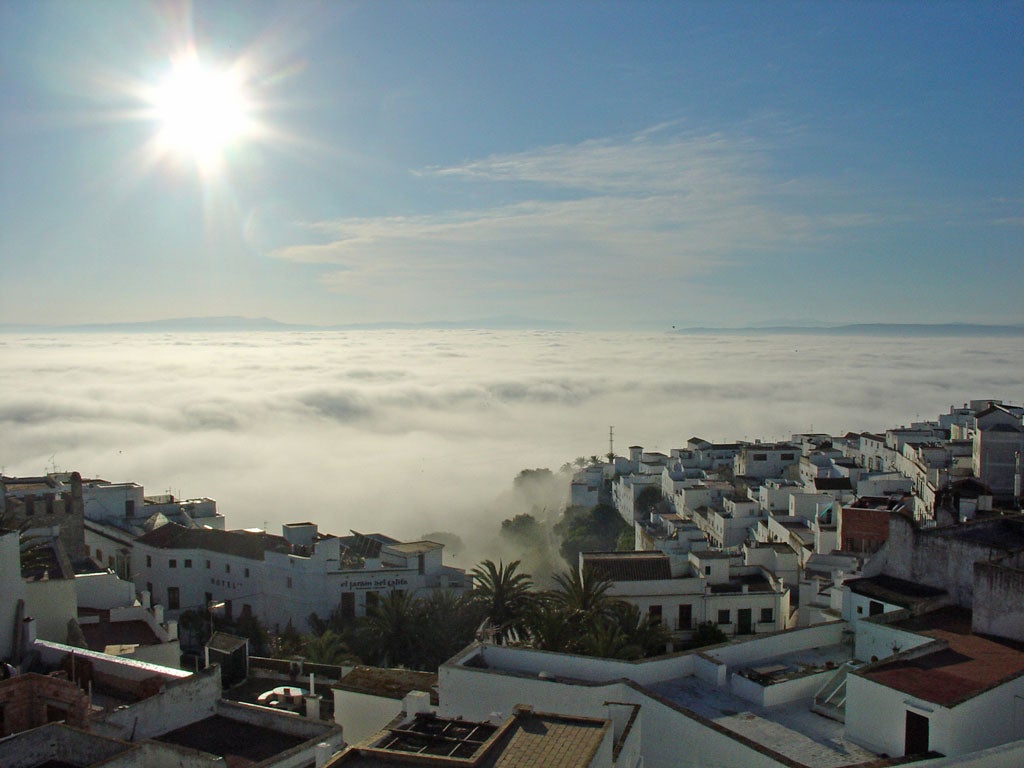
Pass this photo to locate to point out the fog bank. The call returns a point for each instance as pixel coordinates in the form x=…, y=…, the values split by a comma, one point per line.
x=406, y=432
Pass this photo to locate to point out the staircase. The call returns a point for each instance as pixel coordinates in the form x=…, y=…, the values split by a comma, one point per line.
x=830, y=700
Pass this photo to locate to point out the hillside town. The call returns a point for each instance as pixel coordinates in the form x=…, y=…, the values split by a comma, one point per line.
x=826, y=601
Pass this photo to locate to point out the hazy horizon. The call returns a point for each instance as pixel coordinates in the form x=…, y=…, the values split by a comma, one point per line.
x=407, y=432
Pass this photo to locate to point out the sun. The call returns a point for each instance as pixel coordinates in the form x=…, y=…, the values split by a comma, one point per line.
x=201, y=111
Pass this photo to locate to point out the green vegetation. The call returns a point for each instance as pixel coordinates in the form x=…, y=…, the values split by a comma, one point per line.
x=647, y=501
x=399, y=630
x=706, y=633
x=503, y=594
x=590, y=530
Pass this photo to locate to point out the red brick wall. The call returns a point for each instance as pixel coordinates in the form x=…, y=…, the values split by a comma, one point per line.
x=863, y=530
x=31, y=700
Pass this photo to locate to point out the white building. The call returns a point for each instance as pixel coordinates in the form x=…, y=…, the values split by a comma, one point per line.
x=282, y=579
x=683, y=592
x=806, y=697
x=764, y=460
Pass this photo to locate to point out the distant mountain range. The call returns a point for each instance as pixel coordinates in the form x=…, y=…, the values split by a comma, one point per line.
x=866, y=329
x=243, y=324
x=251, y=324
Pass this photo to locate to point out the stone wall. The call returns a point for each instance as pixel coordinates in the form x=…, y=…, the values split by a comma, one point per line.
x=999, y=597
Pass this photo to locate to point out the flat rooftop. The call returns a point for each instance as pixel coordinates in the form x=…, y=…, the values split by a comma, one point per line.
x=231, y=739
x=889, y=589
x=792, y=730
x=969, y=665
x=1004, y=533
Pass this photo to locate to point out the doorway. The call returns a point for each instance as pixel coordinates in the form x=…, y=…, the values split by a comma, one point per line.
x=744, y=621
x=916, y=741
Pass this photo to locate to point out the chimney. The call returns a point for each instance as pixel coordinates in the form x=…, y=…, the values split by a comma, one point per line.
x=313, y=706
x=324, y=752
x=416, y=703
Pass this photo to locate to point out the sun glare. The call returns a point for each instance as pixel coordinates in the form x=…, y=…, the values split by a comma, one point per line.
x=201, y=112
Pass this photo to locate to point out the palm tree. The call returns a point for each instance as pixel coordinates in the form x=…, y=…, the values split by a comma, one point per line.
x=394, y=628
x=547, y=627
x=583, y=593
x=449, y=622
x=644, y=635
x=504, y=593
x=606, y=640
x=327, y=648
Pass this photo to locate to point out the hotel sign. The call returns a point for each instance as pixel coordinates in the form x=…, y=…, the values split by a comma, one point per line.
x=353, y=584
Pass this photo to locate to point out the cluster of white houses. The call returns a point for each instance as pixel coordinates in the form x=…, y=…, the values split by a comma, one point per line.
x=758, y=537
x=872, y=587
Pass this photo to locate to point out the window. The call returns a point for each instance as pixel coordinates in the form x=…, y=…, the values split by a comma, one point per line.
x=110, y=562
x=149, y=560
x=173, y=599
x=227, y=567
x=724, y=617
x=207, y=599
x=372, y=598
x=188, y=563
x=767, y=616
x=207, y=565
x=348, y=604
x=129, y=507
x=173, y=563
x=685, y=616
x=654, y=614
x=760, y=457
x=875, y=608
x=289, y=582
x=247, y=573
x=787, y=457
x=149, y=588
x=99, y=555
x=707, y=570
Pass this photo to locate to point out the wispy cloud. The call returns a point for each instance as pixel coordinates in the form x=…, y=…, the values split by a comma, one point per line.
x=653, y=206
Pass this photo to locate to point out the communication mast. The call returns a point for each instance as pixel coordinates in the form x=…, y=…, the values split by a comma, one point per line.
x=611, y=443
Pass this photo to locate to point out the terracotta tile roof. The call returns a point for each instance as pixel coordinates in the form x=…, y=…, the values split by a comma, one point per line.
x=633, y=566
x=247, y=544
x=548, y=741
x=100, y=636
x=389, y=683
x=967, y=666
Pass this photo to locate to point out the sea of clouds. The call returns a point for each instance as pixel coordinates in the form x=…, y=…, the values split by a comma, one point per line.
x=408, y=432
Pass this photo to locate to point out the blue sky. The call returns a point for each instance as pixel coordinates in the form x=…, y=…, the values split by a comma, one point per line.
x=602, y=165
